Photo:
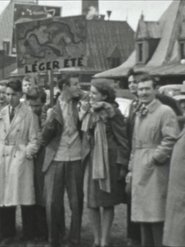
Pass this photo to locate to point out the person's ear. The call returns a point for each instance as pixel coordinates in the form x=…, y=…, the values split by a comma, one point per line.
x=66, y=86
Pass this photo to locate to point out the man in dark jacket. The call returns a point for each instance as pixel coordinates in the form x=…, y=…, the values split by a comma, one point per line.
x=62, y=165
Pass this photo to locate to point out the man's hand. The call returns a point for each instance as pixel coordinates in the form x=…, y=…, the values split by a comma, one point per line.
x=122, y=172
x=29, y=157
x=128, y=186
x=155, y=162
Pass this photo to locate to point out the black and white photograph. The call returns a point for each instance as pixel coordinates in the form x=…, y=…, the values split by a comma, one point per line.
x=92, y=123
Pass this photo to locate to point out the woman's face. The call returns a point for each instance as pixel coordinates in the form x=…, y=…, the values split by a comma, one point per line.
x=96, y=96
x=132, y=85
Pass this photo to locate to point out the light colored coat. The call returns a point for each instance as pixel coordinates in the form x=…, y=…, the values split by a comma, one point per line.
x=174, y=229
x=17, y=139
x=154, y=137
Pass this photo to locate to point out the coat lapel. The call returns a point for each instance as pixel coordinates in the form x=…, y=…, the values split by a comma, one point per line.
x=19, y=116
x=58, y=113
x=6, y=119
x=153, y=105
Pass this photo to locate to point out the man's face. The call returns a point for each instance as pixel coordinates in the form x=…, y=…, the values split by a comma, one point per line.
x=132, y=84
x=74, y=88
x=146, y=91
x=26, y=85
x=2, y=94
x=12, y=97
x=36, y=106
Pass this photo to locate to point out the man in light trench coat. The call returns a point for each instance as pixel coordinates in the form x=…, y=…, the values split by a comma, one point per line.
x=18, y=144
x=154, y=136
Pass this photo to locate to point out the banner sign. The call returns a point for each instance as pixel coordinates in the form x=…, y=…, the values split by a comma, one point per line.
x=51, y=44
x=29, y=12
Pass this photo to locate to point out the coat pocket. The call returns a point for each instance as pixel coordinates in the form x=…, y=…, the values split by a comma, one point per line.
x=146, y=166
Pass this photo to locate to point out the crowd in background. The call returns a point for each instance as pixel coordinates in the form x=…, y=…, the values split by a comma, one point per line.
x=84, y=145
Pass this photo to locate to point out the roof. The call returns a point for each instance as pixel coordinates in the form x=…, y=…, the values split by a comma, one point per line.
x=148, y=29
x=103, y=38
x=169, y=24
x=166, y=58
x=182, y=30
x=172, y=69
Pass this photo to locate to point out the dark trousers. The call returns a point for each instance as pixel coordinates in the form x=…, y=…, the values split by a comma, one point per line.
x=41, y=230
x=8, y=215
x=151, y=234
x=61, y=176
x=7, y=222
x=28, y=222
x=133, y=229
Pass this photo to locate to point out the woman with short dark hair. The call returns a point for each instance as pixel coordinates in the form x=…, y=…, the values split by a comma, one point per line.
x=106, y=156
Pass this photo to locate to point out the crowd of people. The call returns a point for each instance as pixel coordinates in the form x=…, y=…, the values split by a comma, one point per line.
x=84, y=146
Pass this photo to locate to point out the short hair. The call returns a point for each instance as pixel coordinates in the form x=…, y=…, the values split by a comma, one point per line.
x=31, y=79
x=105, y=88
x=35, y=93
x=3, y=82
x=27, y=78
x=143, y=76
x=65, y=80
x=15, y=85
x=131, y=72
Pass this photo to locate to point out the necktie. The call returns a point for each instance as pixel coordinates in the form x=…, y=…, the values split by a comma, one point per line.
x=12, y=113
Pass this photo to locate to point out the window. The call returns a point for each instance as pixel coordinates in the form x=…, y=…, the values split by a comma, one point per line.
x=140, y=52
x=182, y=50
x=6, y=47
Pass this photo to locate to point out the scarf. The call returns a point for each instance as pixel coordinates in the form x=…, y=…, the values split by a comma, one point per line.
x=97, y=117
x=100, y=162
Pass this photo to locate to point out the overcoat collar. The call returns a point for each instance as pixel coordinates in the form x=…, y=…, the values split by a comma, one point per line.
x=153, y=105
x=19, y=116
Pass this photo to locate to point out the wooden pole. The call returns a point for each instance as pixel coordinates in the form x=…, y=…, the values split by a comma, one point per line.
x=51, y=86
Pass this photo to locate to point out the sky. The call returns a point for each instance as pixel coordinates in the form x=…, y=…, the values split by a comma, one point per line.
x=129, y=10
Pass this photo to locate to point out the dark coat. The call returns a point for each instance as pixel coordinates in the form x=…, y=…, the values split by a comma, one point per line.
x=118, y=154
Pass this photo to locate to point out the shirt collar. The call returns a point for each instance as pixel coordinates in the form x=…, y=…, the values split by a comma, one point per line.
x=15, y=108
